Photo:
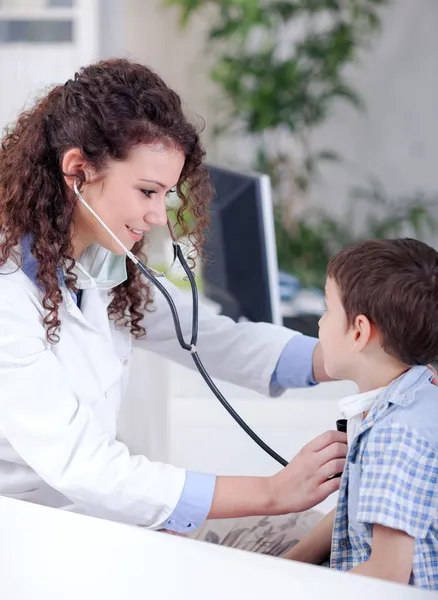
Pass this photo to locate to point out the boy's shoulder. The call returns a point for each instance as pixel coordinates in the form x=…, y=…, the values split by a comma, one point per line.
x=414, y=408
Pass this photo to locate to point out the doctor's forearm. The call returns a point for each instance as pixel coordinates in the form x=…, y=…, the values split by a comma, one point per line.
x=242, y=497
x=319, y=373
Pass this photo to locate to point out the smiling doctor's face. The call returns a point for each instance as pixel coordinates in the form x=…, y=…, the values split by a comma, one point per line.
x=129, y=196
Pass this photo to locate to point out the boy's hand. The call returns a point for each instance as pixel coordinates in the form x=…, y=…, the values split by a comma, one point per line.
x=435, y=374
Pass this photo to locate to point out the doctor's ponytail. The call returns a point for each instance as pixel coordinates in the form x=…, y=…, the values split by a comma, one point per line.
x=106, y=110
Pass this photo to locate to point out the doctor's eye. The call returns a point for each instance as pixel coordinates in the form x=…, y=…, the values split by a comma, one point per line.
x=148, y=193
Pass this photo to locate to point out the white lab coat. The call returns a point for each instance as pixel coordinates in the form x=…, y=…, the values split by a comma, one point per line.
x=59, y=403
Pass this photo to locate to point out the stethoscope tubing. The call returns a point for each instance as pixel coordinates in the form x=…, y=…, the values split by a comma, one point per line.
x=154, y=279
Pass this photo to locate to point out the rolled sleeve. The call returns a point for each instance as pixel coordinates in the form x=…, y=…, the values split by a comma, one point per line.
x=295, y=365
x=194, y=503
x=399, y=487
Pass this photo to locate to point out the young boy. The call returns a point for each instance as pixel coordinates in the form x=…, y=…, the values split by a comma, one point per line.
x=379, y=330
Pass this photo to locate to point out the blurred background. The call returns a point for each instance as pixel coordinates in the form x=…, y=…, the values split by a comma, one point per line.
x=320, y=128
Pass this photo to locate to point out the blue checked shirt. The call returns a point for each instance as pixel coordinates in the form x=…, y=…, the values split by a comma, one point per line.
x=391, y=478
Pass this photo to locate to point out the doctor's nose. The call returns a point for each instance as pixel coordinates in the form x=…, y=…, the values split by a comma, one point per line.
x=157, y=214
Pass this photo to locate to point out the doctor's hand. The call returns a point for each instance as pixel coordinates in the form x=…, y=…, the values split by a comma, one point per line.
x=306, y=481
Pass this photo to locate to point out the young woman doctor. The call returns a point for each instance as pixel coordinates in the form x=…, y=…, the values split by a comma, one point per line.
x=70, y=304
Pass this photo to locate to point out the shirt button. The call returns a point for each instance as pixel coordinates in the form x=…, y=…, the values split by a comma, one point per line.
x=343, y=544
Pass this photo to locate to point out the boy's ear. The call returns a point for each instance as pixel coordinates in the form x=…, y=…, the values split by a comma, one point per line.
x=362, y=331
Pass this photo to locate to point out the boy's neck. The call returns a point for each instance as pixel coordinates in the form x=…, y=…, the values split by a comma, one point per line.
x=375, y=376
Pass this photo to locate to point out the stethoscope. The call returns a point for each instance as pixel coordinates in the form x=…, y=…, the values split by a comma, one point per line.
x=152, y=275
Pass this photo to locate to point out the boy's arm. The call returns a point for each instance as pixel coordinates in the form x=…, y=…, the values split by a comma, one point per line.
x=391, y=557
x=315, y=547
x=398, y=496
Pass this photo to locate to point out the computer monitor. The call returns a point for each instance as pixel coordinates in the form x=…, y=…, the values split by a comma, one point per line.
x=241, y=270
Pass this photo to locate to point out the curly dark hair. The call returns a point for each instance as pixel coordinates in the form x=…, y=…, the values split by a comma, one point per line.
x=105, y=111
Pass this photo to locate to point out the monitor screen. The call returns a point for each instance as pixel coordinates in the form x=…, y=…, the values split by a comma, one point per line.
x=241, y=271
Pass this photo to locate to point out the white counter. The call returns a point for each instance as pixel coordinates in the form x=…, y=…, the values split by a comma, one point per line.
x=47, y=554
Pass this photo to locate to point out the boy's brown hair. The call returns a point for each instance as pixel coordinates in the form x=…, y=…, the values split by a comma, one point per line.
x=394, y=283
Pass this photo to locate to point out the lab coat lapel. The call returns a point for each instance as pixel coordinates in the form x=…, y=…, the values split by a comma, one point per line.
x=93, y=313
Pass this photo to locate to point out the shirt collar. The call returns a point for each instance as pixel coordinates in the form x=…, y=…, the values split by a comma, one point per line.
x=29, y=264
x=400, y=390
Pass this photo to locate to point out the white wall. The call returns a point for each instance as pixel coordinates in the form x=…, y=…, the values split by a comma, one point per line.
x=152, y=36
x=26, y=69
x=396, y=139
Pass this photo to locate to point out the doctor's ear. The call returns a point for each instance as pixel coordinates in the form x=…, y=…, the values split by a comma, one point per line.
x=74, y=168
